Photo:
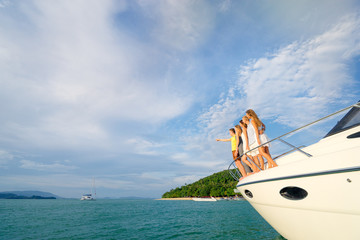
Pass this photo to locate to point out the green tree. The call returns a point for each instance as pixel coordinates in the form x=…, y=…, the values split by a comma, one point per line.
x=217, y=185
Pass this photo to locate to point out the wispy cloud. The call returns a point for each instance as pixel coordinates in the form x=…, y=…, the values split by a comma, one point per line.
x=4, y=3
x=121, y=86
x=5, y=157
x=72, y=71
x=294, y=84
x=182, y=25
x=54, y=167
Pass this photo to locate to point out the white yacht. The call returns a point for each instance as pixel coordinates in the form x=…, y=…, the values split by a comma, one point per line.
x=90, y=196
x=203, y=199
x=87, y=197
x=314, y=193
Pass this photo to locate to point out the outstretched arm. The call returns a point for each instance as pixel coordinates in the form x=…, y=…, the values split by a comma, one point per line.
x=223, y=140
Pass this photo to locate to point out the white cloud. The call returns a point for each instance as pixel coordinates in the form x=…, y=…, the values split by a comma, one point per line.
x=295, y=84
x=5, y=157
x=145, y=147
x=70, y=71
x=54, y=167
x=224, y=5
x=4, y=3
x=182, y=25
x=179, y=181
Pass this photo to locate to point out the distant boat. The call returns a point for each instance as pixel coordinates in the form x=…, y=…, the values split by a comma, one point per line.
x=211, y=199
x=89, y=196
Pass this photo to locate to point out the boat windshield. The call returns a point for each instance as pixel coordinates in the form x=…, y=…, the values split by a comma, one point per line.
x=351, y=119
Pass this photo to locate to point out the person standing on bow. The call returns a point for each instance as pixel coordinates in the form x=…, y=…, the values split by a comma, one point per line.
x=259, y=128
x=235, y=150
x=250, y=143
x=245, y=143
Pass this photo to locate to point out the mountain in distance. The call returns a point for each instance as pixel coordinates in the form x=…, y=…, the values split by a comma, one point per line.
x=27, y=195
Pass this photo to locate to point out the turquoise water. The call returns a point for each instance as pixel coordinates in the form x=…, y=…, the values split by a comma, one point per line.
x=131, y=219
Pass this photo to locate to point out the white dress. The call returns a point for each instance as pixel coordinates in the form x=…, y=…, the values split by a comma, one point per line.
x=252, y=140
x=263, y=139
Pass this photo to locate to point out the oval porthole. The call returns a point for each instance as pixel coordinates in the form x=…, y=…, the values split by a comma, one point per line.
x=293, y=193
x=354, y=135
x=248, y=193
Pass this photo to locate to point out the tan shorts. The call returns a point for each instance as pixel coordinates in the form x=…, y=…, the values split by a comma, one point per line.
x=256, y=151
x=234, y=156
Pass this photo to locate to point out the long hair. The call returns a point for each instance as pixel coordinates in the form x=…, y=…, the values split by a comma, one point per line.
x=237, y=127
x=242, y=122
x=254, y=116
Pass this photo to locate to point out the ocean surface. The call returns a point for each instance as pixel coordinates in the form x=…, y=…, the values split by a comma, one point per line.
x=131, y=219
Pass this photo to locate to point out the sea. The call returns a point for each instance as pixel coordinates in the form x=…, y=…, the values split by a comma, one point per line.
x=131, y=219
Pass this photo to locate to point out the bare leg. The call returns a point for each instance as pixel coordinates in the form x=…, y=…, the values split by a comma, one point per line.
x=243, y=159
x=267, y=150
x=251, y=163
x=261, y=161
x=241, y=168
x=256, y=160
x=271, y=162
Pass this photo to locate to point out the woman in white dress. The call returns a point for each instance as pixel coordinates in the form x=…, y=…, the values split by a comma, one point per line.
x=260, y=127
x=254, y=155
x=242, y=147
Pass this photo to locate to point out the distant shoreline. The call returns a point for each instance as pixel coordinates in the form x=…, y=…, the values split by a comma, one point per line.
x=191, y=198
x=183, y=198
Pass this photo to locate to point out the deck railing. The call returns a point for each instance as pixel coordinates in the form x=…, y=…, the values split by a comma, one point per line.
x=234, y=171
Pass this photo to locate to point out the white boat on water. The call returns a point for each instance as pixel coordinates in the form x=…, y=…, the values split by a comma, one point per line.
x=314, y=193
x=90, y=196
x=200, y=199
x=87, y=197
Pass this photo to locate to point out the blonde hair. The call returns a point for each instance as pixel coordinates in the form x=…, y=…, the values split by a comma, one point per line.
x=242, y=122
x=237, y=127
x=254, y=116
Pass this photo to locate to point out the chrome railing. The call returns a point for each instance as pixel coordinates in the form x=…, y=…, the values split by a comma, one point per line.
x=234, y=171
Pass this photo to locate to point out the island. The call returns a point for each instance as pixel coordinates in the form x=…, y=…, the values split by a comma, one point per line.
x=219, y=184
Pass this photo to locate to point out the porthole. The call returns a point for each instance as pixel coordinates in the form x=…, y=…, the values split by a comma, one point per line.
x=293, y=193
x=354, y=135
x=248, y=193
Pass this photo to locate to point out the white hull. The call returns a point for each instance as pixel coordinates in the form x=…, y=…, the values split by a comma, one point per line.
x=331, y=179
x=205, y=199
x=87, y=198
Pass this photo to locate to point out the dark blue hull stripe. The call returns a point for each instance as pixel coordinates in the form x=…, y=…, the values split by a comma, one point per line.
x=303, y=176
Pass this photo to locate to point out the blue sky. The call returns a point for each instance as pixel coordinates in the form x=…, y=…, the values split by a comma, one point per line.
x=134, y=93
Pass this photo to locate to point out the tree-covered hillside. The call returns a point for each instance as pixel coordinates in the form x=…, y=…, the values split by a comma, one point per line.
x=219, y=184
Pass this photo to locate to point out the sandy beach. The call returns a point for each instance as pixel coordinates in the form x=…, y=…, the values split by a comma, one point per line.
x=191, y=198
x=184, y=198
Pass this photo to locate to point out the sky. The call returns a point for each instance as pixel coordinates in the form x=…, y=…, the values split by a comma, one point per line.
x=134, y=93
